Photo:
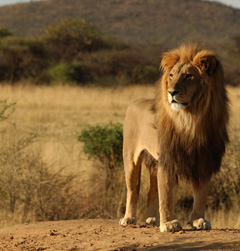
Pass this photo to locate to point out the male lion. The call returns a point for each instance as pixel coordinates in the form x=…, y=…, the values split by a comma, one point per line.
x=179, y=134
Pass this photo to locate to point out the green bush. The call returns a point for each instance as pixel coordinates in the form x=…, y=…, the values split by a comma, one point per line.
x=59, y=72
x=70, y=72
x=104, y=143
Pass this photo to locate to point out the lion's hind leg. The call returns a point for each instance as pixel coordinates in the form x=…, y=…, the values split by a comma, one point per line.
x=133, y=178
x=152, y=199
x=152, y=202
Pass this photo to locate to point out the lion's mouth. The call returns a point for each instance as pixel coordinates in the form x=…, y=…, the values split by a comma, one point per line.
x=176, y=102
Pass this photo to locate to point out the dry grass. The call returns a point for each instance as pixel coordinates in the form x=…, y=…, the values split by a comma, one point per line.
x=62, y=111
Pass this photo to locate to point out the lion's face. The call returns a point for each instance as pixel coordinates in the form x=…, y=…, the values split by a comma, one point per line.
x=183, y=85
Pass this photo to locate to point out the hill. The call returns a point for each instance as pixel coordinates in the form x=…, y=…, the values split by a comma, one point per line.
x=159, y=24
x=153, y=21
x=108, y=235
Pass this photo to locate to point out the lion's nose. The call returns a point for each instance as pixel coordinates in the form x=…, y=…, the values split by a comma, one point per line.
x=173, y=92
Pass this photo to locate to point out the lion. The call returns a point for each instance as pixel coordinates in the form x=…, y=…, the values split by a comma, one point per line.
x=180, y=134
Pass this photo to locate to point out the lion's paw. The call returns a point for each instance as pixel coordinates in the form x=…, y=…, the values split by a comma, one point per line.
x=201, y=224
x=127, y=221
x=170, y=226
x=152, y=221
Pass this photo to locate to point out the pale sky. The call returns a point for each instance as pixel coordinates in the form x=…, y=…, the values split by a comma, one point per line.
x=233, y=3
x=6, y=2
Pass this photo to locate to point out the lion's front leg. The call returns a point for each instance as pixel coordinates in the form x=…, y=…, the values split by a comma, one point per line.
x=133, y=178
x=196, y=219
x=168, y=221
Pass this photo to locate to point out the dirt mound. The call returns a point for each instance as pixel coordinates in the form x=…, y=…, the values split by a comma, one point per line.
x=108, y=235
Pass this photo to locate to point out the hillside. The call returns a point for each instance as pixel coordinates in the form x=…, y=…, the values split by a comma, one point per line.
x=161, y=25
x=163, y=22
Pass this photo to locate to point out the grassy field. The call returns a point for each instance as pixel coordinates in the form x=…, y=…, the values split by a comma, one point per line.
x=60, y=112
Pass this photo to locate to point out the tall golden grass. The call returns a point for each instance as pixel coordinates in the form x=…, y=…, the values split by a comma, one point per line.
x=60, y=112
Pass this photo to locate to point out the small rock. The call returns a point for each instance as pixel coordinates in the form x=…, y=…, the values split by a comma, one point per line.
x=181, y=232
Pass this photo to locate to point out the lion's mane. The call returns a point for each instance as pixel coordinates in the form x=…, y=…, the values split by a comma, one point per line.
x=192, y=142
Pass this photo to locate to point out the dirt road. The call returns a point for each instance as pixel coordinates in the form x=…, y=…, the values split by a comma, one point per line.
x=108, y=235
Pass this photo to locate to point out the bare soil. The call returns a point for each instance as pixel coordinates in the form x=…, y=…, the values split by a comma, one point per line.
x=108, y=235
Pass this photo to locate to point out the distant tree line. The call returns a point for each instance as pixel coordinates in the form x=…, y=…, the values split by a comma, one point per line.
x=75, y=51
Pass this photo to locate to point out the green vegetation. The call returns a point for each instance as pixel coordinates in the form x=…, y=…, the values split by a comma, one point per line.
x=73, y=36
x=22, y=58
x=75, y=51
x=104, y=143
x=4, y=32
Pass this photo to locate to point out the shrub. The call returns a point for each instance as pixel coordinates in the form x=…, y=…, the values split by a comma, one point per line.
x=70, y=72
x=6, y=109
x=29, y=191
x=106, y=195
x=104, y=143
x=59, y=72
x=225, y=187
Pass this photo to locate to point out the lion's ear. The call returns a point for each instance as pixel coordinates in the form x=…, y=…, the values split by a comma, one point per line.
x=206, y=62
x=169, y=60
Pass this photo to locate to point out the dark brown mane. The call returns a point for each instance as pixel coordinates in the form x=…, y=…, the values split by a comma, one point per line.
x=192, y=144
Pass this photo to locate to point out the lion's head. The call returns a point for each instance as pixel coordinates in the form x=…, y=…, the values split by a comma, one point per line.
x=192, y=77
x=191, y=110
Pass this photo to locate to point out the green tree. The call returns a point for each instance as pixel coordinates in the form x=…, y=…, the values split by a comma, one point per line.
x=22, y=58
x=4, y=32
x=72, y=36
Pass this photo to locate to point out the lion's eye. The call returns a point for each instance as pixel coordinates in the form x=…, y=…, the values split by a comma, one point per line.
x=171, y=76
x=189, y=76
